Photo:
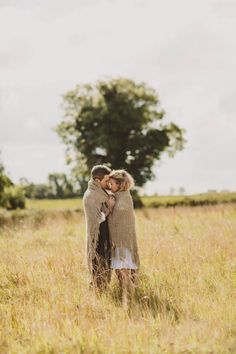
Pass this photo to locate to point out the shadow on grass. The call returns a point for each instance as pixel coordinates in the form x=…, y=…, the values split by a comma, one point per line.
x=146, y=301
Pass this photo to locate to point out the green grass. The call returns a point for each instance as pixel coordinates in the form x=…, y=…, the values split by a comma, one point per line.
x=189, y=200
x=151, y=202
x=38, y=210
x=54, y=204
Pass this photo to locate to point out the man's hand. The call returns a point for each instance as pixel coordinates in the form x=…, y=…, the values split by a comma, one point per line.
x=111, y=202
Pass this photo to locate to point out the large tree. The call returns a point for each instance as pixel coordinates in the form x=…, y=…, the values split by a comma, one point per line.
x=118, y=123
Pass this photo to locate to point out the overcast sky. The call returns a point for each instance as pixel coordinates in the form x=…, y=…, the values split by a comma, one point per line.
x=185, y=49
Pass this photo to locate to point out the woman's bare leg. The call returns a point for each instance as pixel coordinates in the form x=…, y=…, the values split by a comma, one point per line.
x=119, y=276
x=134, y=276
x=126, y=283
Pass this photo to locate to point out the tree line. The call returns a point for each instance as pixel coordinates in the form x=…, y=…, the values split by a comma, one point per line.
x=58, y=186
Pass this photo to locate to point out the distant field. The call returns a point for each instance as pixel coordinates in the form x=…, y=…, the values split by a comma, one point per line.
x=54, y=204
x=153, y=202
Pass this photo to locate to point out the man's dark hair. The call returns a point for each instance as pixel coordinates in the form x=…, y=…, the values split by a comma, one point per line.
x=99, y=171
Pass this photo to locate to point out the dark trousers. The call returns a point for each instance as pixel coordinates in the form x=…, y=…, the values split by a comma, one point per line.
x=102, y=261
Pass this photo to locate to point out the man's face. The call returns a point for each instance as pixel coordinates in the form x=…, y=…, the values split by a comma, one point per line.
x=104, y=182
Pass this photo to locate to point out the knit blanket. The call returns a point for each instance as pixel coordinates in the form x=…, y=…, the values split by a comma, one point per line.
x=95, y=206
x=122, y=226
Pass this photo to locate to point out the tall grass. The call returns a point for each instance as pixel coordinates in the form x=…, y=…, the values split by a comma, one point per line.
x=186, y=297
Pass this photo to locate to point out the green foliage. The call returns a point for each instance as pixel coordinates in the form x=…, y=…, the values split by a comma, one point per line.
x=4, y=179
x=13, y=198
x=136, y=199
x=189, y=200
x=117, y=123
x=59, y=186
x=37, y=191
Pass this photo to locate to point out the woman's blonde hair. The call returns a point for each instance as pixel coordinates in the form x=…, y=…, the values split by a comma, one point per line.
x=123, y=179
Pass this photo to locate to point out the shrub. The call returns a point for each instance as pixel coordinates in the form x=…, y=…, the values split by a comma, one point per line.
x=13, y=197
x=136, y=199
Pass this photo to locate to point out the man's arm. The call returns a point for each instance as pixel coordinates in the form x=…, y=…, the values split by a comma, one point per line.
x=90, y=208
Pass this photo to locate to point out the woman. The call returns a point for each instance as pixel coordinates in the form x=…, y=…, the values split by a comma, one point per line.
x=125, y=257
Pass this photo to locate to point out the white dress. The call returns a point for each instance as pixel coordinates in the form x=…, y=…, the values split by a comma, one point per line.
x=119, y=262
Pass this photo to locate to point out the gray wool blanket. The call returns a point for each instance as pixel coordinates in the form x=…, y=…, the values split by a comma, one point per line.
x=95, y=206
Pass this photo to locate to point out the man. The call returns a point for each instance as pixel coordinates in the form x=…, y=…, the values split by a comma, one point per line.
x=98, y=204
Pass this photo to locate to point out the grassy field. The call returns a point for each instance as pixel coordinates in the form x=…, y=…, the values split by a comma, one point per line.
x=150, y=202
x=189, y=200
x=186, y=297
x=54, y=204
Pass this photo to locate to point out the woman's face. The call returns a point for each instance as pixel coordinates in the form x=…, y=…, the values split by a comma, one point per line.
x=114, y=186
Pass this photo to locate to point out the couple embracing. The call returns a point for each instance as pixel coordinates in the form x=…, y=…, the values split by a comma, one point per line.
x=110, y=228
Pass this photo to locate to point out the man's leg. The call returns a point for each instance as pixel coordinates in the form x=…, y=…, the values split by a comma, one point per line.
x=97, y=271
x=103, y=258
